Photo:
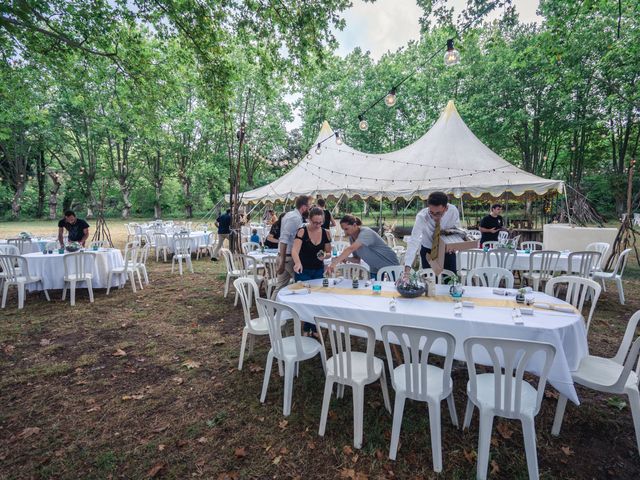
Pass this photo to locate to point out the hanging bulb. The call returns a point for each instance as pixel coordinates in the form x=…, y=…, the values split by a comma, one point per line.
x=308, y=156
x=318, y=150
x=338, y=139
x=451, y=56
x=390, y=99
x=364, y=125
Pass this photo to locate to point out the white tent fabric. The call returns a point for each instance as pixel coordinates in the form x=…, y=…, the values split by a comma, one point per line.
x=449, y=158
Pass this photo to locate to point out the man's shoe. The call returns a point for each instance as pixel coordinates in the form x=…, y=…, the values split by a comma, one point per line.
x=214, y=259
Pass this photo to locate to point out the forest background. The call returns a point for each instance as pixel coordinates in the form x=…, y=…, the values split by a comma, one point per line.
x=140, y=102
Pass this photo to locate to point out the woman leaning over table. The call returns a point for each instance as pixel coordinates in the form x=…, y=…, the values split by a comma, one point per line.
x=311, y=245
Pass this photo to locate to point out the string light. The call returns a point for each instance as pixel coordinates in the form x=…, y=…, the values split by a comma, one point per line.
x=390, y=99
x=363, y=125
x=451, y=56
x=309, y=157
x=318, y=150
x=338, y=139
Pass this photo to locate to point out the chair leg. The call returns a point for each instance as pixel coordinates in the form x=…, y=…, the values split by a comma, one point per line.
x=180, y=265
x=398, y=409
x=620, y=290
x=436, y=436
x=46, y=293
x=251, y=342
x=173, y=263
x=226, y=286
x=484, y=442
x=190, y=264
x=243, y=345
x=529, y=432
x=267, y=374
x=20, y=295
x=90, y=288
x=358, y=415
x=132, y=281
x=64, y=292
x=72, y=292
x=385, y=391
x=452, y=410
x=326, y=399
x=468, y=414
x=5, y=289
x=634, y=404
x=340, y=391
x=557, y=419
x=109, y=282
x=289, y=371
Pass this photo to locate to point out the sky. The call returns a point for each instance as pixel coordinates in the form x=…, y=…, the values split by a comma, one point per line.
x=387, y=25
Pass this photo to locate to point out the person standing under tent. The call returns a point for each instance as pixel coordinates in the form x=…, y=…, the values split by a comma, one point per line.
x=492, y=225
x=365, y=245
x=425, y=235
x=274, y=233
x=223, y=222
x=329, y=221
x=291, y=222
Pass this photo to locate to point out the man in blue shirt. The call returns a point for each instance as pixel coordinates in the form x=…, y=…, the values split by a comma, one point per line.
x=223, y=222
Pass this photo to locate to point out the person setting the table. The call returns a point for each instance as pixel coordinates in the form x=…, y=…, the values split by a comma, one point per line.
x=78, y=228
x=366, y=245
x=431, y=222
x=291, y=222
x=492, y=224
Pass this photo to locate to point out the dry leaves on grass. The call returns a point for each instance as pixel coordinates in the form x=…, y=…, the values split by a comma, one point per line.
x=191, y=364
x=240, y=452
x=504, y=430
x=495, y=468
x=28, y=432
x=566, y=450
x=229, y=476
x=470, y=456
x=283, y=424
x=44, y=342
x=155, y=470
x=132, y=397
x=119, y=353
x=351, y=473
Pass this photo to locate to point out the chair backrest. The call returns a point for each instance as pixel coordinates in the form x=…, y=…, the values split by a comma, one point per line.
x=582, y=264
x=8, y=249
x=51, y=246
x=391, y=239
x=415, y=345
x=548, y=263
x=603, y=248
x=144, y=253
x=512, y=357
x=160, y=239
x=533, y=246
x=628, y=353
x=351, y=271
x=339, y=245
x=490, y=244
x=427, y=273
x=515, y=241
x=390, y=273
x=98, y=243
x=503, y=236
x=20, y=243
x=621, y=263
x=78, y=264
x=474, y=234
x=182, y=245
x=489, y=277
x=275, y=313
x=250, y=247
x=228, y=259
x=271, y=266
x=131, y=256
x=501, y=258
x=247, y=290
x=247, y=264
x=13, y=266
x=473, y=258
x=339, y=333
x=578, y=289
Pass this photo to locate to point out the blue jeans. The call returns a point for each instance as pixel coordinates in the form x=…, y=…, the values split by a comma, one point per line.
x=309, y=274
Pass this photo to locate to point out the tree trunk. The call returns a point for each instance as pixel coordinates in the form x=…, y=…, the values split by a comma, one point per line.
x=53, y=194
x=157, y=207
x=186, y=191
x=126, y=209
x=15, y=201
x=42, y=180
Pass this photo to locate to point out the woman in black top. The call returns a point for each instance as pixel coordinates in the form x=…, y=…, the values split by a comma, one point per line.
x=274, y=233
x=310, y=246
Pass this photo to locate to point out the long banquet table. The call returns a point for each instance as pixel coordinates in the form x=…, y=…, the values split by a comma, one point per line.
x=490, y=317
x=50, y=268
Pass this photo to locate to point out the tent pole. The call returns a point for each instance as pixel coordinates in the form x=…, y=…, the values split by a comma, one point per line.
x=462, y=208
x=566, y=199
x=380, y=219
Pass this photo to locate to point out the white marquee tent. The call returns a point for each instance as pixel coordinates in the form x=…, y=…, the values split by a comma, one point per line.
x=449, y=158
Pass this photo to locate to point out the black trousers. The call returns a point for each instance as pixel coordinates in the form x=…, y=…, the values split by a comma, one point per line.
x=449, y=259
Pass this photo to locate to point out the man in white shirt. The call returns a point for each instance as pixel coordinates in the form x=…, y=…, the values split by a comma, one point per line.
x=430, y=222
x=291, y=222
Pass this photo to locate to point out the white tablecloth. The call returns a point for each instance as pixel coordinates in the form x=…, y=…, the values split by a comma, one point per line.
x=50, y=268
x=196, y=239
x=522, y=261
x=563, y=330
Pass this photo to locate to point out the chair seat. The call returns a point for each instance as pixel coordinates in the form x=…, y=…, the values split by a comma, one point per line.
x=182, y=256
x=605, y=275
x=358, y=366
x=259, y=326
x=23, y=280
x=600, y=371
x=310, y=348
x=486, y=393
x=434, y=382
x=74, y=276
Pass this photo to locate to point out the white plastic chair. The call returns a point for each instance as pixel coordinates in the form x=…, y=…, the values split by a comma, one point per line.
x=77, y=268
x=8, y=249
x=506, y=395
x=503, y=236
x=617, y=375
x=250, y=247
x=127, y=269
x=615, y=274
x=473, y=258
x=182, y=251
x=141, y=267
x=636, y=219
x=351, y=271
x=161, y=245
x=501, y=258
x=248, y=291
x=15, y=271
x=271, y=275
x=427, y=273
x=339, y=245
x=206, y=247
x=532, y=246
x=390, y=239
x=233, y=271
x=415, y=378
x=548, y=264
x=351, y=368
x=490, y=244
x=21, y=243
x=474, y=234
x=578, y=290
x=390, y=273
x=290, y=350
x=583, y=264
x=603, y=248
x=490, y=277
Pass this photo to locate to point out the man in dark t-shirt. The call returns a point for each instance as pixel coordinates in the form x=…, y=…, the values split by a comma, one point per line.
x=223, y=223
x=78, y=229
x=328, y=218
x=492, y=224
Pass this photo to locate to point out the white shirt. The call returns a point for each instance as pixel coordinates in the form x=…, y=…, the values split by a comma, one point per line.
x=423, y=229
x=291, y=222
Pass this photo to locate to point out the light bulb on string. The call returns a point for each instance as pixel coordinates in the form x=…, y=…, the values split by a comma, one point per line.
x=309, y=156
x=451, y=56
x=338, y=139
x=318, y=150
x=391, y=98
x=363, y=125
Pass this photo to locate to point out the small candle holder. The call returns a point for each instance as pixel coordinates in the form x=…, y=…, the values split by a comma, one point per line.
x=376, y=288
x=392, y=305
x=325, y=282
x=355, y=283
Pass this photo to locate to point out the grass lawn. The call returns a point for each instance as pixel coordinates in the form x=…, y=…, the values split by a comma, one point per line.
x=146, y=385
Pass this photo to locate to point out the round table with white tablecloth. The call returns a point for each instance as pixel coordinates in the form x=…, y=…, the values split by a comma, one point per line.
x=490, y=316
x=196, y=239
x=50, y=267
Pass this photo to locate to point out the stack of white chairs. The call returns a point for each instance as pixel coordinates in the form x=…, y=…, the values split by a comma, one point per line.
x=15, y=271
x=77, y=268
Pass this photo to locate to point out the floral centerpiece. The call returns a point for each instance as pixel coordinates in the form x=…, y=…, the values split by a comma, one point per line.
x=520, y=295
x=73, y=247
x=410, y=287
